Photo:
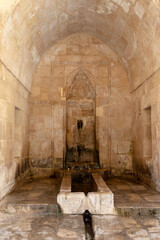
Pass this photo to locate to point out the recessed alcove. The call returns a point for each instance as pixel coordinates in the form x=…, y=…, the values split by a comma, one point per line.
x=80, y=137
x=147, y=142
x=89, y=86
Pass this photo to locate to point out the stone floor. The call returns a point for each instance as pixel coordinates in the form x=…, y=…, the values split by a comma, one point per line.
x=29, y=227
x=36, y=195
x=41, y=193
x=45, y=190
x=126, y=228
x=36, y=190
x=132, y=197
x=19, y=227
x=129, y=193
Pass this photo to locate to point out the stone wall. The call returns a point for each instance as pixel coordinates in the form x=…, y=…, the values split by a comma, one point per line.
x=146, y=131
x=13, y=130
x=52, y=78
x=129, y=27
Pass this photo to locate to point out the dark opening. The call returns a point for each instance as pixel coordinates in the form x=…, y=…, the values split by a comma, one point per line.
x=82, y=181
x=79, y=124
x=147, y=138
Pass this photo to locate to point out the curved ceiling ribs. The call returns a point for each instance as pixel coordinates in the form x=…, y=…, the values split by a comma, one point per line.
x=130, y=27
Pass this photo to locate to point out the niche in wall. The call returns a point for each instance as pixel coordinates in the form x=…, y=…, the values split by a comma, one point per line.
x=17, y=133
x=80, y=120
x=147, y=134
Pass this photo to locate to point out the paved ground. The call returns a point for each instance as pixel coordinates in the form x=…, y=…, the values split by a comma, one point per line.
x=131, y=193
x=44, y=190
x=36, y=190
x=32, y=225
x=126, y=228
x=36, y=195
x=14, y=227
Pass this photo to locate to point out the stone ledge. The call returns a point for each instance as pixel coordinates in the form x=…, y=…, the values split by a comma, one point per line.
x=66, y=184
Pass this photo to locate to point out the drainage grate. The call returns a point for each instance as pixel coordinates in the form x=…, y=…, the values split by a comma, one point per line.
x=87, y=218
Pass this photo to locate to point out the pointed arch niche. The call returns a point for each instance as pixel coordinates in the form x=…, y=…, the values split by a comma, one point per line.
x=81, y=118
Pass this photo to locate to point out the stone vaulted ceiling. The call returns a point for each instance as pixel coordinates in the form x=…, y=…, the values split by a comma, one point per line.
x=28, y=28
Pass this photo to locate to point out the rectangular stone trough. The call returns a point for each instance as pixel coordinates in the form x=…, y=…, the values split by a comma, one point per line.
x=99, y=202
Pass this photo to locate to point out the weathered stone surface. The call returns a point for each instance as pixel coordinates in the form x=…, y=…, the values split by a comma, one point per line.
x=66, y=200
x=65, y=234
x=14, y=130
x=100, y=202
x=93, y=89
x=25, y=206
x=72, y=227
x=131, y=30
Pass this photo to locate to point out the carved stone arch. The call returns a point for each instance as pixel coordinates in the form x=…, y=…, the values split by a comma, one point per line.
x=74, y=73
x=81, y=87
x=80, y=117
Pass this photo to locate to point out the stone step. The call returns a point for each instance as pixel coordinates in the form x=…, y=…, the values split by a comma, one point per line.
x=45, y=209
x=137, y=211
x=49, y=209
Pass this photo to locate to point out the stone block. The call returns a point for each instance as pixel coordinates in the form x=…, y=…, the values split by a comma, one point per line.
x=66, y=200
x=3, y=176
x=58, y=165
x=3, y=108
x=11, y=171
x=35, y=92
x=58, y=149
x=73, y=49
x=17, y=149
x=58, y=72
x=41, y=162
x=100, y=202
x=44, y=71
x=103, y=71
x=121, y=147
x=99, y=111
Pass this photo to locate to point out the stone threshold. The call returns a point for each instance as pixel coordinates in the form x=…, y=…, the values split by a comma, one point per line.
x=44, y=209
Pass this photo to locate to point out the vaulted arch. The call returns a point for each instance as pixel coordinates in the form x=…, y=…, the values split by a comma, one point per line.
x=129, y=27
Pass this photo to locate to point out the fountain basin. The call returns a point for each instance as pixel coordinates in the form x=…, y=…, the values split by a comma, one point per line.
x=100, y=201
